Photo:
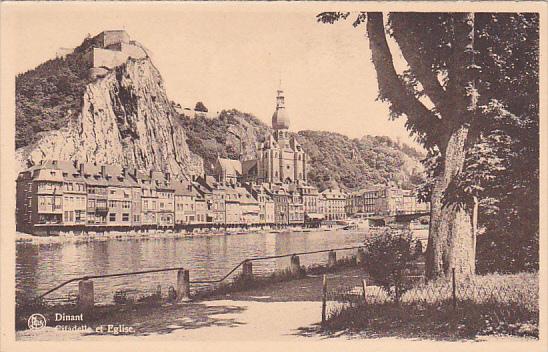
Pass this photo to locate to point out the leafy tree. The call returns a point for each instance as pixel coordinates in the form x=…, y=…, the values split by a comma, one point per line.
x=467, y=72
x=200, y=107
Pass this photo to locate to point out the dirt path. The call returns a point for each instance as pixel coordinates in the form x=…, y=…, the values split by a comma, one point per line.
x=276, y=311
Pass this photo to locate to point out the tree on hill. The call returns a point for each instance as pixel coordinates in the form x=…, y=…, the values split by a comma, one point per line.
x=200, y=107
x=466, y=72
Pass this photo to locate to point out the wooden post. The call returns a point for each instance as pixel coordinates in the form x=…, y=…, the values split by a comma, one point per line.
x=454, y=290
x=159, y=291
x=324, y=298
x=183, y=285
x=360, y=257
x=331, y=259
x=247, y=270
x=295, y=266
x=86, y=299
x=364, y=285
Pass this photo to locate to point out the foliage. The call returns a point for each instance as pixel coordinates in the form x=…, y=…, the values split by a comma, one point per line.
x=388, y=254
x=501, y=166
x=48, y=96
x=209, y=137
x=122, y=297
x=487, y=305
x=358, y=163
x=333, y=158
x=200, y=107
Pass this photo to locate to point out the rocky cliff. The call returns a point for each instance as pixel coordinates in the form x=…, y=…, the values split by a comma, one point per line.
x=124, y=118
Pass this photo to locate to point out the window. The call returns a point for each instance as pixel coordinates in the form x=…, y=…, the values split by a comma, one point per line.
x=112, y=217
x=125, y=217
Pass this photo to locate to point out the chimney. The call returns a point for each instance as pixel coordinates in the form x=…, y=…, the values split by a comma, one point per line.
x=135, y=173
x=75, y=163
x=81, y=169
x=168, y=176
x=54, y=162
x=103, y=170
x=124, y=172
x=151, y=173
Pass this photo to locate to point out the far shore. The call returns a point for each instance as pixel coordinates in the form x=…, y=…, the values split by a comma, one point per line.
x=69, y=237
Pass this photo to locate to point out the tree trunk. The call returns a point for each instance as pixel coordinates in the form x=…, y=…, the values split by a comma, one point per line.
x=451, y=242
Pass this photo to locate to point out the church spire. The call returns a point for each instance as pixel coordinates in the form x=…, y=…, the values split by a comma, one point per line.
x=280, y=118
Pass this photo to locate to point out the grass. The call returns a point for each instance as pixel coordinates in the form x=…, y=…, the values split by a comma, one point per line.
x=241, y=283
x=491, y=304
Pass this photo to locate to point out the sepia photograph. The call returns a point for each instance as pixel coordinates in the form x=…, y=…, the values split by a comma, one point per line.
x=366, y=174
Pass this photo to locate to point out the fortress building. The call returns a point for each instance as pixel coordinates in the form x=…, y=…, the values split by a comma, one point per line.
x=281, y=159
x=110, y=49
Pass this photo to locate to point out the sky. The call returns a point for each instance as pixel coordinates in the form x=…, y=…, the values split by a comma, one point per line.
x=232, y=59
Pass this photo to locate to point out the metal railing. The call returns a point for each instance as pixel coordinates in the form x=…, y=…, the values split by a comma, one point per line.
x=199, y=281
x=104, y=276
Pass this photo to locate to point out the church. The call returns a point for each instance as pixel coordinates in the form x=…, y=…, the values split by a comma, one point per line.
x=281, y=159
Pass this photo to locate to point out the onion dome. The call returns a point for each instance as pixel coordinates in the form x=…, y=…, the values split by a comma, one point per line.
x=280, y=118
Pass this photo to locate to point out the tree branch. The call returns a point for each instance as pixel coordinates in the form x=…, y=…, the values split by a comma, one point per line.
x=426, y=76
x=420, y=120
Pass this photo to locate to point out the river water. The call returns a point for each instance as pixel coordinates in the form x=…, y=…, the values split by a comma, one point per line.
x=40, y=267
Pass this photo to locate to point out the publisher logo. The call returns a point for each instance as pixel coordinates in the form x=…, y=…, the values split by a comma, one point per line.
x=36, y=321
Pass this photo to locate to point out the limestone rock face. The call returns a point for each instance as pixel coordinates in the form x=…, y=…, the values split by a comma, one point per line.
x=126, y=119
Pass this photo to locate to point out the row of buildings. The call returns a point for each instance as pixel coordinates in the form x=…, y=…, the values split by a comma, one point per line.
x=384, y=200
x=64, y=194
x=271, y=190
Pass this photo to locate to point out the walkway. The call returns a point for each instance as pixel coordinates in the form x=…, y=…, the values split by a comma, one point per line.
x=275, y=312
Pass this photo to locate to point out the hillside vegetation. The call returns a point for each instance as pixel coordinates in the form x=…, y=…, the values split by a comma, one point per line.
x=334, y=158
x=48, y=96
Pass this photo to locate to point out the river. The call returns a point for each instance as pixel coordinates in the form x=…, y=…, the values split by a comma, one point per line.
x=40, y=267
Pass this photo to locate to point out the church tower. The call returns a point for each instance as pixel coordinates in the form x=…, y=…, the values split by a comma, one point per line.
x=280, y=118
x=281, y=158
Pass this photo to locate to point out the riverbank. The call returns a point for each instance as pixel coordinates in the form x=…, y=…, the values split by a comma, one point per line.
x=68, y=237
x=280, y=311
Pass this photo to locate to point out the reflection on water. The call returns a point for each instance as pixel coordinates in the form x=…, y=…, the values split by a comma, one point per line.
x=41, y=267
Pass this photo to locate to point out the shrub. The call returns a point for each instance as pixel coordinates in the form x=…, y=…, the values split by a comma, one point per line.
x=121, y=297
x=388, y=255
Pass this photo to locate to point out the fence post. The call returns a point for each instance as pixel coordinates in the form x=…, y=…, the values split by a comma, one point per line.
x=295, y=266
x=247, y=270
x=183, y=285
x=86, y=299
x=454, y=290
x=324, y=298
x=364, y=285
x=331, y=259
x=360, y=257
